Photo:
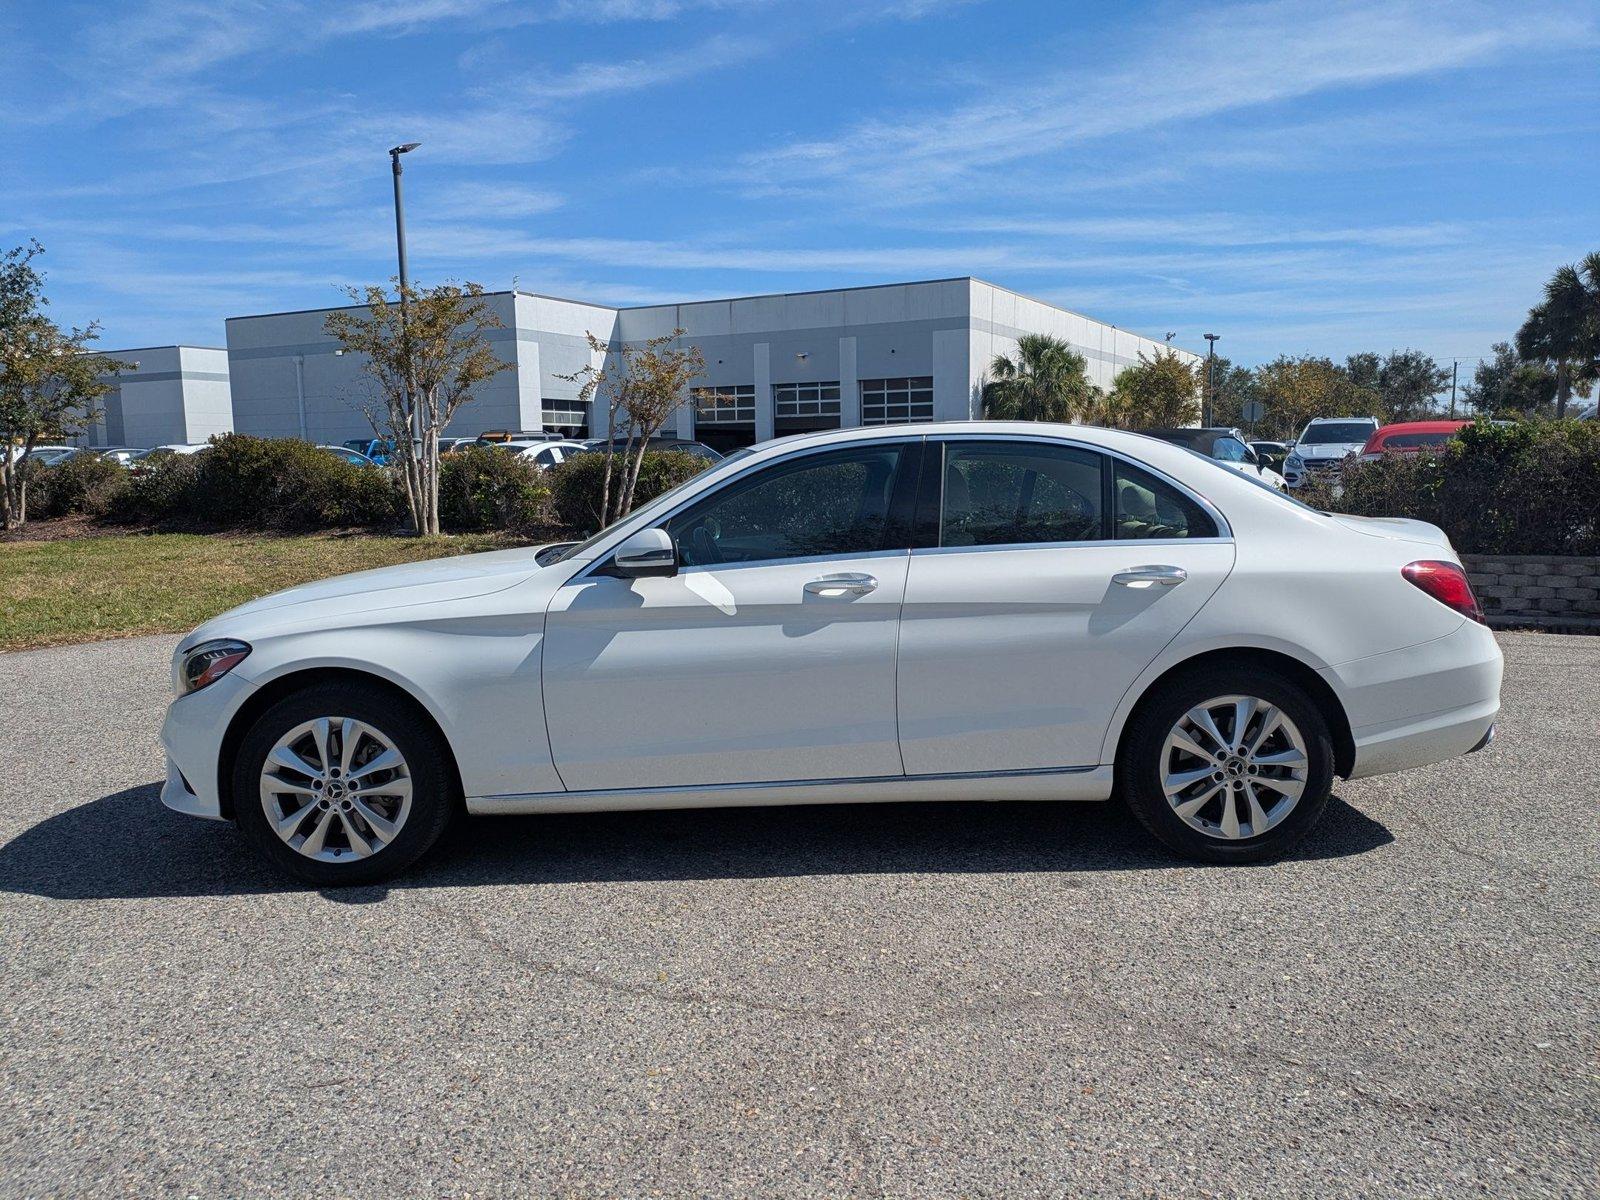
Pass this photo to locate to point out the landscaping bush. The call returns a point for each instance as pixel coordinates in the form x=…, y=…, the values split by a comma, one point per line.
x=1532, y=487
x=84, y=485
x=160, y=488
x=481, y=489
x=578, y=484
x=261, y=483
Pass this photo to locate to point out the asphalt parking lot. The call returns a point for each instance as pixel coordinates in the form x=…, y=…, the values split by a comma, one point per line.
x=966, y=1000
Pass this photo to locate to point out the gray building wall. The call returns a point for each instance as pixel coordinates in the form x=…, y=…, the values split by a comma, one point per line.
x=948, y=329
x=167, y=395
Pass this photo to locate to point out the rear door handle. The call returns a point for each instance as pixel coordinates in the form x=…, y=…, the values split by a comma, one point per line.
x=848, y=584
x=1150, y=576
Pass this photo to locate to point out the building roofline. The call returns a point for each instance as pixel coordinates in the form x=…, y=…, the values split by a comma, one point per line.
x=167, y=346
x=859, y=287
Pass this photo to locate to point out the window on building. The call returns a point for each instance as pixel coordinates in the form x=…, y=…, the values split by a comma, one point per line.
x=1147, y=507
x=1014, y=493
x=725, y=405
x=896, y=401
x=831, y=504
x=806, y=399
x=565, y=414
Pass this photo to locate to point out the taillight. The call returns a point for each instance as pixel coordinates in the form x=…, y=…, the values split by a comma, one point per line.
x=1447, y=583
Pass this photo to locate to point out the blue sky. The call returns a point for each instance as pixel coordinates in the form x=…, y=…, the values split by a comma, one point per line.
x=1300, y=177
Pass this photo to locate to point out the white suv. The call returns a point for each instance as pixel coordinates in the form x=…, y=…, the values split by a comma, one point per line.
x=1324, y=443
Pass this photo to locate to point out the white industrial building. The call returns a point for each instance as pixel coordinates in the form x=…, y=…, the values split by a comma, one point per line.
x=163, y=395
x=775, y=364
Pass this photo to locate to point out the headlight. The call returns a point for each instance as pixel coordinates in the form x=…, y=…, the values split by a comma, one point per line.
x=209, y=662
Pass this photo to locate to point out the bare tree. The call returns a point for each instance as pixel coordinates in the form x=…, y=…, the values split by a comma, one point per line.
x=426, y=362
x=642, y=386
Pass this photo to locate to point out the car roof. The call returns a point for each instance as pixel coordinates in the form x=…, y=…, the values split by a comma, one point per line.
x=1422, y=427
x=1336, y=420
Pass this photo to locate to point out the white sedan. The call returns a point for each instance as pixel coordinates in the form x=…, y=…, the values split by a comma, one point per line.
x=965, y=611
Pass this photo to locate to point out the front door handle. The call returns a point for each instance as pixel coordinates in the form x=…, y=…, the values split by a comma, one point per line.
x=849, y=584
x=1150, y=576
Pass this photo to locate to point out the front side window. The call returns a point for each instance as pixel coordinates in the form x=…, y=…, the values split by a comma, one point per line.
x=1229, y=449
x=1147, y=507
x=1015, y=493
x=833, y=504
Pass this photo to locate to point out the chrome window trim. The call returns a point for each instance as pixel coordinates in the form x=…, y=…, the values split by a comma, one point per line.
x=1225, y=530
x=902, y=434
x=1216, y=541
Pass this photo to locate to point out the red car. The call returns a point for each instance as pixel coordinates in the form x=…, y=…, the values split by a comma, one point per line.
x=1410, y=437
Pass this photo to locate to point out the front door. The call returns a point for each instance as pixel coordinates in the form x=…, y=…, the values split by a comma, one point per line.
x=769, y=657
x=1059, y=574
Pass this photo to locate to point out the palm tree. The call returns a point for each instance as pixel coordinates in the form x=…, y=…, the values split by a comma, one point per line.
x=1047, y=381
x=1561, y=331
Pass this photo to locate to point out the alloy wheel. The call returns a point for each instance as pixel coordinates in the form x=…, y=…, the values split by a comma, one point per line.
x=336, y=789
x=1234, y=767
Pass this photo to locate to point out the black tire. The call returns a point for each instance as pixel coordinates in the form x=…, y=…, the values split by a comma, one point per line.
x=1139, y=763
x=435, y=789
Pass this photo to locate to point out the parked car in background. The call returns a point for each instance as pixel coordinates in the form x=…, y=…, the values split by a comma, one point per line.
x=180, y=448
x=950, y=611
x=518, y=435
x=1324, y=444
x=1221, y=444
x=47, y=455
x=674, y=444
x=1411, y=437
x=354, y=457
x=544, y=454
x=124, y=456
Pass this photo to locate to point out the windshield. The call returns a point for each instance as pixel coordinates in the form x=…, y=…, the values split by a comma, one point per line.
x=581, y=550
x=1337, y=431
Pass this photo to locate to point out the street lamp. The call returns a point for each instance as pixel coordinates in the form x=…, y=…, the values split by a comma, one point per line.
x=1211, y=383
x=405, y=276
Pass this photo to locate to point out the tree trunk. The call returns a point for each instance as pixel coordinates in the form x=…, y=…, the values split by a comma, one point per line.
x=1563, y=388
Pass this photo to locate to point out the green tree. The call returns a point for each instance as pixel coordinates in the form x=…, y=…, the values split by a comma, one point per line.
x=1505, y=383
x=642, y=386
x=50, y=385
x=1297, y=389
x=1232, y=388
x=1162, y=392
x=1403, y=383
x=425, y=359
x=1047, y=381
x=1564, y=331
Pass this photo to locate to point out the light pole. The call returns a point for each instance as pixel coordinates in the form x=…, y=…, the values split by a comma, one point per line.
x=405, y=275
x=1211, y=383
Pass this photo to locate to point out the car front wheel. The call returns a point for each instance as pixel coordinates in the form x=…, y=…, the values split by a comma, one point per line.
x=342, y=784
x=1228, y=765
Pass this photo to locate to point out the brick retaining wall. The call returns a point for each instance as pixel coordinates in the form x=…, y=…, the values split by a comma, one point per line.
x=1546, y=591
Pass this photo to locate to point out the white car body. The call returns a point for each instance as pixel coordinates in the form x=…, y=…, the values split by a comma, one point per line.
x=546, y=453
x=185, y=447
x=965, y=672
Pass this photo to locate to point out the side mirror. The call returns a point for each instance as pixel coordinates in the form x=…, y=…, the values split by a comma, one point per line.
x=648, y=552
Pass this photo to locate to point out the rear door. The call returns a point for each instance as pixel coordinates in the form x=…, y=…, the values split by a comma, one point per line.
x=1051, y=577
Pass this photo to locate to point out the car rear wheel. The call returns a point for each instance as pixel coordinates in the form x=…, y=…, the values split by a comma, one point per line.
x=342, y=784
x=1228, y=765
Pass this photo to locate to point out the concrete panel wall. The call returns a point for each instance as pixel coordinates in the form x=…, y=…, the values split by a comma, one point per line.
x=166, y=395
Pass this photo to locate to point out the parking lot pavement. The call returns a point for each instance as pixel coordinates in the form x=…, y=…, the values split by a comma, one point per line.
x=903, y=1000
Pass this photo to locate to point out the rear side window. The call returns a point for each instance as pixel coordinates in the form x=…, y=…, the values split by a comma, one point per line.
x=1147, y=507
x=1016, y=493
x=1414, y=441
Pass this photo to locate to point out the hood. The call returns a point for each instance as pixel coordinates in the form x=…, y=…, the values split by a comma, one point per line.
x=1399, y=529
x=1329, y=450
x=434, y=580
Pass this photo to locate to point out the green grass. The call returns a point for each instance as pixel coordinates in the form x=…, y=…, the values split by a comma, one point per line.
x=84, y=589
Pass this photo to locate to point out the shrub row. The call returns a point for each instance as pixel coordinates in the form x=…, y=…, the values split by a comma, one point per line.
x=247, y=482
x=1532, y=487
